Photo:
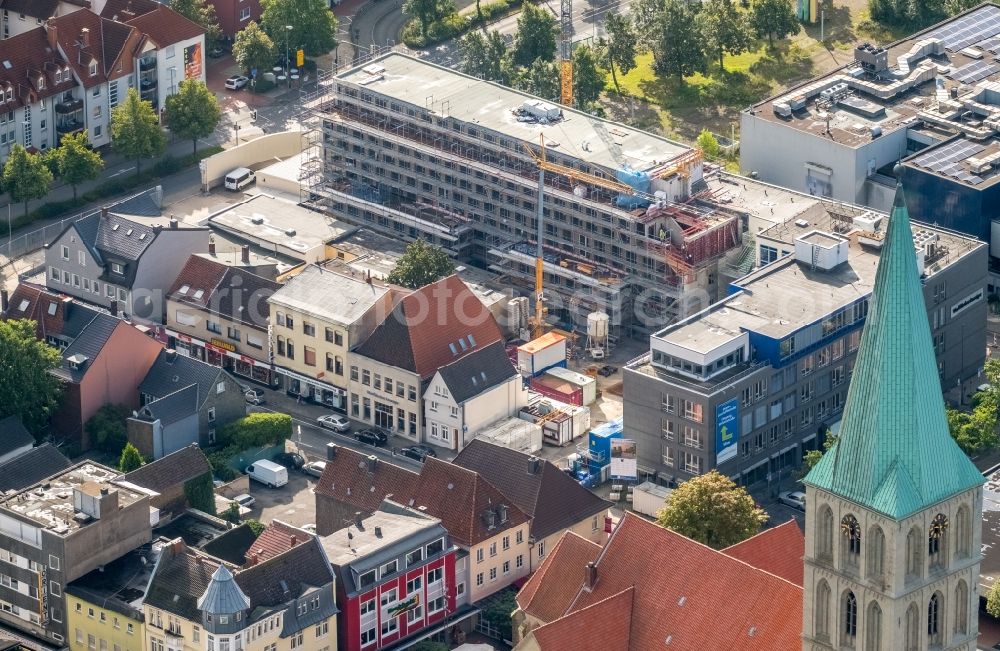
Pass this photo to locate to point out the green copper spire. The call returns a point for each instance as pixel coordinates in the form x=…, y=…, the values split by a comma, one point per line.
x=895, y=455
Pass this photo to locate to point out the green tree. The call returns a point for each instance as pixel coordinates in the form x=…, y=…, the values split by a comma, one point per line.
x=253, y=48
x=25, y=176
x=428, y=12
x=812, y=457
x=724, y=29
x=75, y=161
x=536, y=36
x=588, y=78
x=26, y=383
x=135, y=130
x=773, y=19
x=421, y=264
x=483, y=55
x=130, y=459
x=677, y=49
x=256, y=430
x=107, y=429
x=618, y=50
x=976, y=431
x=193, y=112
x=712, y=510
x=256, y=526
x=314, y=27
x=993, y=600
x=232, y=513
x=541, y=79
x=203, y=13
x=708, y=144
x=958, y=6
x=200, y=493
x=497, y=610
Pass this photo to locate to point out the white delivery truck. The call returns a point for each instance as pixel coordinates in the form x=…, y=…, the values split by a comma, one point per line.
x=268, y=473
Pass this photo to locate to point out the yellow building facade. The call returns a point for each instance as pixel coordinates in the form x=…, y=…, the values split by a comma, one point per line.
x=109, y=628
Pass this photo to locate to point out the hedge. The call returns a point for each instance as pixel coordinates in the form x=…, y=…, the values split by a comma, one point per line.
x=114, y=187
x=454, y=25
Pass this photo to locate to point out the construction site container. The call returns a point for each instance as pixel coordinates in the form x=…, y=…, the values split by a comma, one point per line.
x=586, y=384
x=541, y=354
x=600, y=442
x=557, y=389
x=648, y=498
x=561, y=423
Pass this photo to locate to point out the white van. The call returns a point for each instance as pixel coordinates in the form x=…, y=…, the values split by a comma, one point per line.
x=268, y=473
x=239, y=178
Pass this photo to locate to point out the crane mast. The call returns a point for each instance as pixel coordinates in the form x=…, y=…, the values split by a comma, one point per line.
x=566, y=51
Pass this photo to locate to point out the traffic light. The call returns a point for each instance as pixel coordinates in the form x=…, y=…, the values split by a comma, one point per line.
x=253, y=115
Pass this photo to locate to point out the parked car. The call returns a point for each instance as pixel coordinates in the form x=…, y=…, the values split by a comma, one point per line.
x=314, y=468
x=335, y=422
x=216, y=52
x=375, y=437
x=607, y=370
x=254, y=396
x=794, y=499
x=290, y=460
x=419, y=452
x=245, y=500
x=236, y=82
x=268, y=473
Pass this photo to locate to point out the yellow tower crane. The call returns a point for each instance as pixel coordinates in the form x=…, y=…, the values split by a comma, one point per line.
x=566, y=51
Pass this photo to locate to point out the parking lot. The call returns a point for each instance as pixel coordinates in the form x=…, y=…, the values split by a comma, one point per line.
x=293, y=503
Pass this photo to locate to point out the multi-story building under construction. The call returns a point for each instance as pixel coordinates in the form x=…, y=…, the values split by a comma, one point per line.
x=629, y=227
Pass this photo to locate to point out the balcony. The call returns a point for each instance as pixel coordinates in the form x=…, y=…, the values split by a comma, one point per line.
x=69, y=126
x=69, y=106
x=147, y=64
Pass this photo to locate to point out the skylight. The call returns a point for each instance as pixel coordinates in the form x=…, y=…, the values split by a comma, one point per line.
x=115, y=227
x=24, y=305
x=52, y=308
x=454, y=351
x=461, y=342
x=128, y=232
x=142, y=236
x=472, y=342
x=7, y=64
x=198, y=294
x=184, y=289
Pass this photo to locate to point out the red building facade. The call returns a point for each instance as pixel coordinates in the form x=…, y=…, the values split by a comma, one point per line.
x=234, y=15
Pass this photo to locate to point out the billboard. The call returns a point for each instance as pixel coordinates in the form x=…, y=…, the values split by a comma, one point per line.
x=623, y=461
x=727, y=430
x=192, y=61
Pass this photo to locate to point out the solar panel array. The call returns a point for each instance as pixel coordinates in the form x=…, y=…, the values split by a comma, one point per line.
x=948, y=160
x=973, y=27
x=990, y=45
x=973, y=72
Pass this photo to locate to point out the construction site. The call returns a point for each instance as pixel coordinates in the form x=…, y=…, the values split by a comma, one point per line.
x=618, y=220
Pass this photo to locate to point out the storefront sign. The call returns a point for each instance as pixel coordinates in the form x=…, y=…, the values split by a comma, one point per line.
x=224, y=345
x=381, y=396
x=43, y=603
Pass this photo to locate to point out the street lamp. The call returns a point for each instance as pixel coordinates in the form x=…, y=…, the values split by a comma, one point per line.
x=288, y=62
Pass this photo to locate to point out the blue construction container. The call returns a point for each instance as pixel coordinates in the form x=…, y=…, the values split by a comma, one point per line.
x=600, y=442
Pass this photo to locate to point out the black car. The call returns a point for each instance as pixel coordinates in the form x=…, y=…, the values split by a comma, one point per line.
x=290, y=460
x=418, y=452
x=607, y=370
x=375, y=437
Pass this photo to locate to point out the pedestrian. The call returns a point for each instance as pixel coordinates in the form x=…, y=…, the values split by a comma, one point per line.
x=298, y=398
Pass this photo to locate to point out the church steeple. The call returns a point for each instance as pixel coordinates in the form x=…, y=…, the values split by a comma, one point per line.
x=893, y=509
x=895, y=455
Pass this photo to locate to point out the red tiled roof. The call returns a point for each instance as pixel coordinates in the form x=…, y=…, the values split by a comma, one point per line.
x=680, y=589
x=463, y=500
x=198, y=274
x=277, y=538
x=32, y=72
x=166, y=27
x=547, y=598
x=779, y=551
x=347, y=478
x=419, y=333
x=610, y=629
x=112, y=44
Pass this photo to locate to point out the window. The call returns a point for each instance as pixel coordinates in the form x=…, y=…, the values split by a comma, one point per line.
x=411, y=393
x=875, y=553
x=692, y=411
x=367, y=579
x=667, y=403
x=245, y=15
x=414, y=557
x=493, y=574
x=55, y=589
x=692, y=438
x=934, y=619
x=851, y=531
x=414, y=614
x=289, y=349
x=935, y=539
x=65, y=252
x=388, y=385
x=435, y=575
x=118, y=268
x=53, y=562
x=506, y=542
x=366, y=377
x=692, y=463
x=377, y=382
x=308, y=329
x=369, y=636
x=233, y=333
x=97, y=131
x=519, y=561
x=808, y=365
x=93, y=69
x=519, y=537
x=850, y=621
x=668, y=456
x=413, y=585
x=309, y=356
x=493, y=549
x=433, y=406
x=541, y=549
x=389, y=568
x=667, y=429
x=479, y=579
x=354, y=373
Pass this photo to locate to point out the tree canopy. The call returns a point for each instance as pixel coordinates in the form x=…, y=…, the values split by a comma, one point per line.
x=26, y=384
x=254, y=49
x=421, y=264
x=25, y=176
x=536, y=35
x=976, y=431
x=193, y=112
x=812, y=457
x=712, y=510
x=993, y=599
x=773, y=19
x=130, y=459
x=75, y=161
x=203, y=13
x=314, y=27
x=674, y=38
x=135, y=130
x=588, y=77
x=256, y=430
x=724, y=29
x=107, y=428
x=620, y=47
x=428, y=11
x=484, y=55
x=541, y=78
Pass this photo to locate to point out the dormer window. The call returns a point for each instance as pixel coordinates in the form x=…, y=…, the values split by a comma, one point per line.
x=58, y=76
x=10, y=94
x=118, y=268
x=41, y=83
x=93, y=68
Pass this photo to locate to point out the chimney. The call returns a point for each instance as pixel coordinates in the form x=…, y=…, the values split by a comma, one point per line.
x=4, y=300
x=294, y=541
x=534, y=465
x=358, y=520
x=52, y=32
x=104, y=212
x=378, y=532
x=591, y=575
x=173, y=223
x=331, y=451
x=211, y=247
x=245, y=250
x=251, y=560
x=372, y=462
x=170, y=355
x=114, y=307
x=85, y=37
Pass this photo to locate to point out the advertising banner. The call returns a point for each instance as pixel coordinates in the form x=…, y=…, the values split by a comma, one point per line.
x=623, y=461
x=727, y=430
x=192, y=61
